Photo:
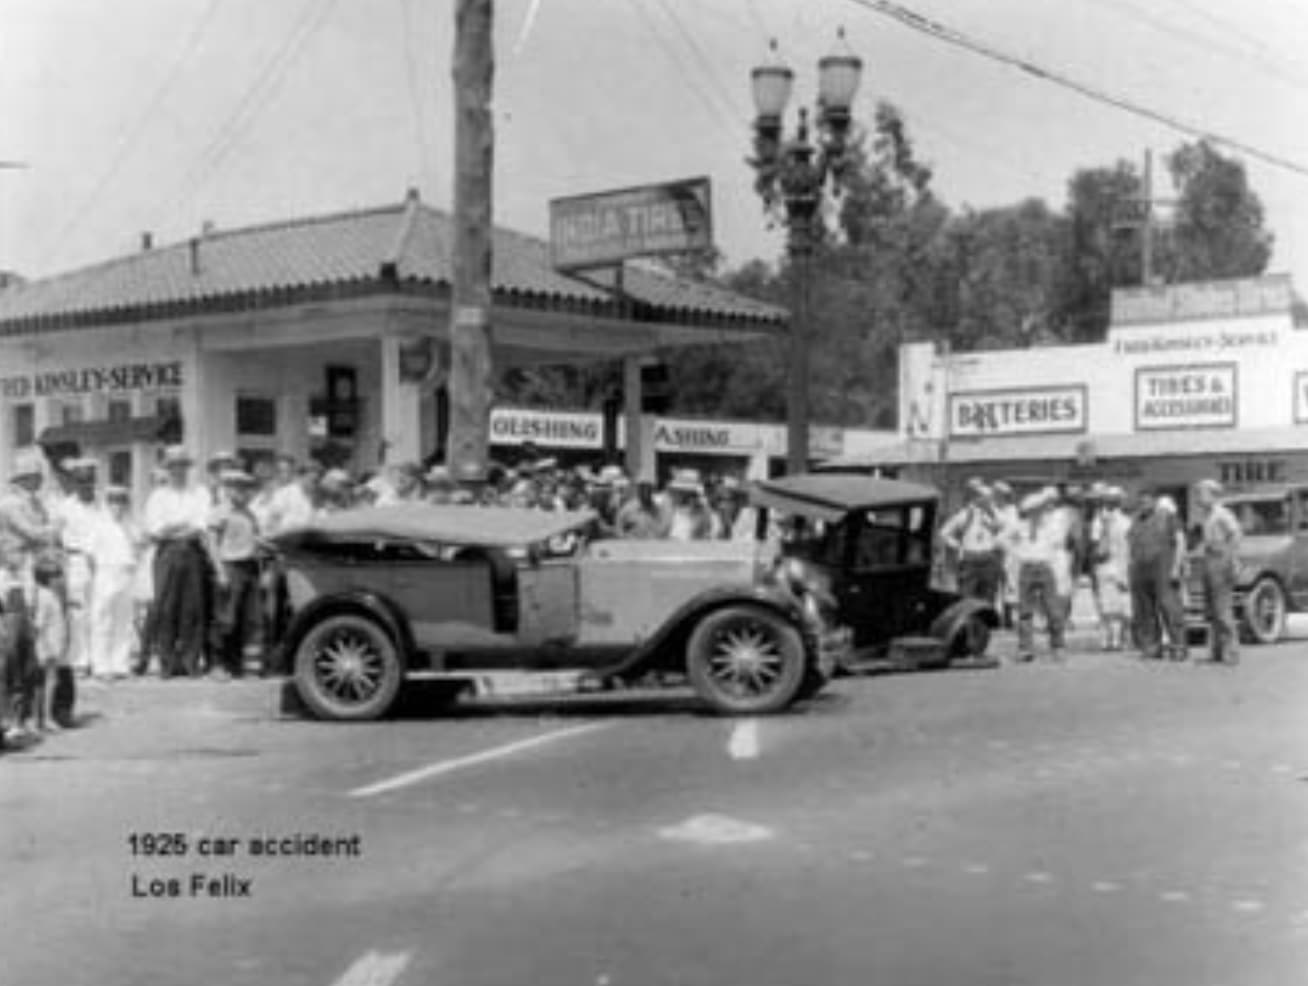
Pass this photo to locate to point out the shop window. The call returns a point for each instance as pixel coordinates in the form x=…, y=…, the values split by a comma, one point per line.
x=256, y=416
x=70, y=413
x=168, y=408
x=120, y=465
x=24, y=424
x=1303, y=509
x=119, y=410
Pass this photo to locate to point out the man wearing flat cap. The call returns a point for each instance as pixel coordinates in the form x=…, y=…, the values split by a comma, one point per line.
x=972, y=535
x=1157, y=554
x=1220, y=538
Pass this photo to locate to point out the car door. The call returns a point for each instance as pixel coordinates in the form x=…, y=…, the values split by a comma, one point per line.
x=883, y=587
x=1298, y=559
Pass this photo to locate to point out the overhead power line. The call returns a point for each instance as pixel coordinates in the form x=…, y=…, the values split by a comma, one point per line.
x=1221, y=46
x=313, y=15
x=924, y=25
x=128, y=142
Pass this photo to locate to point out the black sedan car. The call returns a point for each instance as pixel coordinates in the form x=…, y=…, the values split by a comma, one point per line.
x=870, y=541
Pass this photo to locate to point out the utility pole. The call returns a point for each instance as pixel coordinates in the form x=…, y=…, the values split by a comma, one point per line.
x=471, y=375
x=1142, y=218
x=1147, y=227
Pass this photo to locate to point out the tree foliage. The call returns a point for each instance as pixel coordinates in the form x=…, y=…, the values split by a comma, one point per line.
x=895, y=263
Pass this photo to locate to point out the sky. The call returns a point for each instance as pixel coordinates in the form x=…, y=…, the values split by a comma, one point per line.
x=160, y=115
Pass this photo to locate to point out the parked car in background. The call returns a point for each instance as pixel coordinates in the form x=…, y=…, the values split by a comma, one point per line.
x=1272, y=572
x=381, y=596
x=870, y=540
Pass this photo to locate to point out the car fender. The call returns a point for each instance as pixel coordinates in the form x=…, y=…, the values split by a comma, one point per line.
x=663, y=648
x=361, y=601
x=951, y=619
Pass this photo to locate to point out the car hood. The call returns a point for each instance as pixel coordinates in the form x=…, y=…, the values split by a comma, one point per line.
x=499, y=527
x=1259, y=549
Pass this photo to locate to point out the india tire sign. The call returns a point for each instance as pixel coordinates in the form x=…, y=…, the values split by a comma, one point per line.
x=1198, y=395
x=609, y=227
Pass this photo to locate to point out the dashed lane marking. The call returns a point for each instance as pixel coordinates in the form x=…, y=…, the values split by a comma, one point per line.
x=913, y=862
x=374, y=969
x=1105, y=887
x=1038, y=877
x=1174, y=896
x=1247, y=905
x=861, y=855
x=976, y=869
x=743, y=744
x=442, y=767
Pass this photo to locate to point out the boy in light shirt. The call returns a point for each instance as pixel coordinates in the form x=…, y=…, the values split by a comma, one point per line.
x=235, y=544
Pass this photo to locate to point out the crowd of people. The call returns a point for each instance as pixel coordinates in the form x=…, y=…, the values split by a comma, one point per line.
x=1029, y=554
x=183, y=586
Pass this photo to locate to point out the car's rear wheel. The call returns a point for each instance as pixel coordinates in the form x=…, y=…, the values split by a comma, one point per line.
x=971, y=640
x=1264, y=612
x=348, y=668
x=746, y=660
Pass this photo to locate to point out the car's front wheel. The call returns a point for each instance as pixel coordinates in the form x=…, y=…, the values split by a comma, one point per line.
x=1264, y=612
x=348, y=668
x=746, y=660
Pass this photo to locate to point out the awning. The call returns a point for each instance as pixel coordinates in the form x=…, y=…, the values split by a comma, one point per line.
x=99, y=434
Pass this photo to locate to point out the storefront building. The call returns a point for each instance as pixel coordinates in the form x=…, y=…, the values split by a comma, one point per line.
x=741, y=449
x=325, y=336
x=1193, y=380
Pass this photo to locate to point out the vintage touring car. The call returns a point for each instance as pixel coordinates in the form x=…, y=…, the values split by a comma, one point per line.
x=380, y=595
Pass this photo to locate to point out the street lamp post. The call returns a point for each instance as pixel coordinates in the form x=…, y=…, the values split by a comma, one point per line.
x=795, y=175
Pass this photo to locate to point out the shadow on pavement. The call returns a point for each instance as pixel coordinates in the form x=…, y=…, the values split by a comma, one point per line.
x=425, y=701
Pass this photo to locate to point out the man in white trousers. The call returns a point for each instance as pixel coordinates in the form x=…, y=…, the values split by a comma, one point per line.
x=113, y=551
x=75, y=514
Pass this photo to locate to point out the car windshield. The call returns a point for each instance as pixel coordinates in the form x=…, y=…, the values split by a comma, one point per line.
x=1261, y=516
x=886, y=536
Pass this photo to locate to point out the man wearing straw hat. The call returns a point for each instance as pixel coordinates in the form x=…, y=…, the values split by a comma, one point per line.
x=1221, y=545
x=176, y=520
x=972, y=535
x=1036, y=545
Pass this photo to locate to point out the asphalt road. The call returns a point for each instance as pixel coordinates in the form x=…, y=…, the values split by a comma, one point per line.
x=1100, y=823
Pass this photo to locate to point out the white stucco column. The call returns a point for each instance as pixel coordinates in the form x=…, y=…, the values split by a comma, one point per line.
x=401, y=407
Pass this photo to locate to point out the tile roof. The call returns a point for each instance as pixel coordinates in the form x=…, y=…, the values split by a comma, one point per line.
x=401, y=247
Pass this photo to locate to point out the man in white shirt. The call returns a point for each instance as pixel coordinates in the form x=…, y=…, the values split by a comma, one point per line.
x=291, y=504
x=972, y=534
x=75, y=515
x=113, y=549
x=1036, y=546
x=176, y=520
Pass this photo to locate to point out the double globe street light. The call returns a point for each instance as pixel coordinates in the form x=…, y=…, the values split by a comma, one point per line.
x=792, y=177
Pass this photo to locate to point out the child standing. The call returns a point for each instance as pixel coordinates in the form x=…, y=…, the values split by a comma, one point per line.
x=235, y=549
x=49, y=641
